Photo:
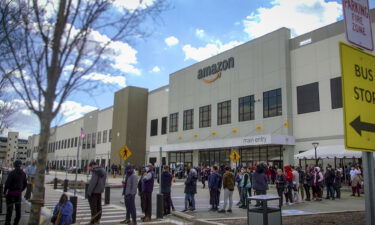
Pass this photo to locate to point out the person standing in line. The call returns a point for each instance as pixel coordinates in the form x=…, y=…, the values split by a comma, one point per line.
x=356, y=178
x=14, y=186
x=63, y=212
x=30, y=172
x=337, y=183
x=166, y=184
x=228, y=185
x=147, y=189
x=140, y=190
x=317, y=184
x=129, y=192
x=239, y=177
x=95, y=190
x=245, y=186
x=295, y=189
x=329, y=177
x=289, y=184
x=203, y=177
x=214, y=184
x=301, y=188
x=190, y=189
x=280, y=185
x=307, y=183
x=260, y=184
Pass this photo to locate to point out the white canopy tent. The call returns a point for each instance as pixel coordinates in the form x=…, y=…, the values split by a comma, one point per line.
x=329, y=152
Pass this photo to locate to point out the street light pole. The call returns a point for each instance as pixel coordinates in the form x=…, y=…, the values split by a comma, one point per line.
x=316, y=144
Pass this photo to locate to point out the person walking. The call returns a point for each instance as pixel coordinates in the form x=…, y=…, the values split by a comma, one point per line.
x=329, y=177
x=30, y=172
x=166, y=184
x=14, y=186
x=280, y=185
x=228, y=185
x=190, y=189
x=147, y=189
x=289, y=184
x=246, y=184
x=95, y=190
x=129, y=192
x=214, y=184
x=260, y=182
x=63, y=212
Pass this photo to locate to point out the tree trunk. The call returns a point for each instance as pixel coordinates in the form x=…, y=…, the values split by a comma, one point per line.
x=37, y=200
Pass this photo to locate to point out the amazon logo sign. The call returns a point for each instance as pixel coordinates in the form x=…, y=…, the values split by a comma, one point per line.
x=211, y=73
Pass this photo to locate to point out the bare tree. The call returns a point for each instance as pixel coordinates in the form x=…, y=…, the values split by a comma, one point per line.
x=6, y=108
x=45, y=38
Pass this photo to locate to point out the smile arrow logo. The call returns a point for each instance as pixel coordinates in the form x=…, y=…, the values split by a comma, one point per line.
x=360, y=126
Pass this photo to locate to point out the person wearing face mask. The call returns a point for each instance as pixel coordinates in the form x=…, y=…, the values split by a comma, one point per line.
x=147, y=189
x=129, y=192
x=95, y=190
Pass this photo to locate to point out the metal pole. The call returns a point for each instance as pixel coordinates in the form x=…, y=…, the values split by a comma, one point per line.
x=160, y=164
x=368, y=170
x=316, y=157
x=75, y=180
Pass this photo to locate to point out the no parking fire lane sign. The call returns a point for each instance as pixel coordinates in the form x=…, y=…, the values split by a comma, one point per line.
x=358, y=86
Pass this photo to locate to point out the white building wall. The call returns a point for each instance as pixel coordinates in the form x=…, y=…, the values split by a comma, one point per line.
x=103, y=150
x=157, y=109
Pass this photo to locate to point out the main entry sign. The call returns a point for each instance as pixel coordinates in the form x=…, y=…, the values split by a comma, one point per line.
x=358, y=86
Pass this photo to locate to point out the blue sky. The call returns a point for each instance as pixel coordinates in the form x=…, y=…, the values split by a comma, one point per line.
x=192, y=30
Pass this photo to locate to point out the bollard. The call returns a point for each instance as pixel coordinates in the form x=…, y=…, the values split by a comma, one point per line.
x=159, y=206
x=66, y=185
x=55, y=183
x=73, y=200
x=1, y=198
x=86, y=189
x=107, y=195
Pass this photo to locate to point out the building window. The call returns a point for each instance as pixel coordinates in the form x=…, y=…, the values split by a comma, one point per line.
x=246, y=108
x=188, y=119
x=205, y=116
x=76, y=142
x=154, y=127
x=84, y=143
x=272, y=104
x=110, y=135
x=99, y=137
x=336, y=93
x=93, y=142
x=105, y=136
x=65, y=143
x=89, y=141
x=164, y=125
x=173, y=122
x=308, y=98
x=223, y=112
x=72, y=142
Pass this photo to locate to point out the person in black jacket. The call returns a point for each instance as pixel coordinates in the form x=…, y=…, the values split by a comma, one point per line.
x=280, y=185
x=190, y=189
x=329, y=177
x=166, y=184
x=15, y=184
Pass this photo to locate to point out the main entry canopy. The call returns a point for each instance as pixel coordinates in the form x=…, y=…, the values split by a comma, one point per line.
x=329, y=152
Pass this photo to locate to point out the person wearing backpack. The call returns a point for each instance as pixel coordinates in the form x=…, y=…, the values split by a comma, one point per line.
x=245, y=186
x=228, y=185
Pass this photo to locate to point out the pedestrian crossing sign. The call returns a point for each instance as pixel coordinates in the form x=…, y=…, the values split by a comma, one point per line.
x=234, y=156
x=125, y=152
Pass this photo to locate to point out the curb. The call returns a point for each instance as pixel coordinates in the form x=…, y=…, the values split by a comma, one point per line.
x=183, y=216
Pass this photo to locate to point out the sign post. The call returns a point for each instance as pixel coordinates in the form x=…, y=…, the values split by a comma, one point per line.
x=358, y=85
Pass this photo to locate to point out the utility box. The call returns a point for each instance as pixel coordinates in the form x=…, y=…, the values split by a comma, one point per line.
x=264, y=215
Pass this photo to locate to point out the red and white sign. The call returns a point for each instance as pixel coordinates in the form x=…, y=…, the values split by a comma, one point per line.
x=358, y=23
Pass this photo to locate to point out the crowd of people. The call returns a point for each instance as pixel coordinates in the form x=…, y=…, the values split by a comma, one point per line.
x=294, y=184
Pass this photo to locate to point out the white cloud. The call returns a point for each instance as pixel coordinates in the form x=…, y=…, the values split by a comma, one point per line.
x=106, y=78
x=211, y=49
x=155, y=69
x=200, y=33
x=71, y=110
x=300, y=16
x=171, y=41
x=132, y=5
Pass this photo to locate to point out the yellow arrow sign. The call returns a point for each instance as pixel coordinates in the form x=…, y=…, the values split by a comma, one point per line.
x=234, y=156
x=358, y=87
x=125, y=153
